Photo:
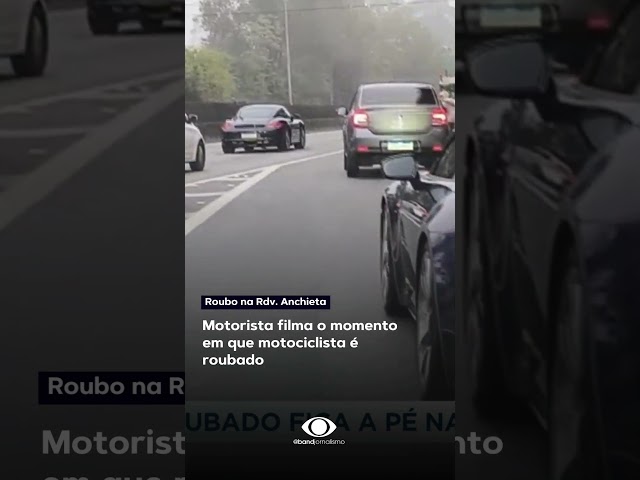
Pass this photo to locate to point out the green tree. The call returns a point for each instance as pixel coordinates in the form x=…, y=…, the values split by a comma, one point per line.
x=334, y=44
x=208, y=76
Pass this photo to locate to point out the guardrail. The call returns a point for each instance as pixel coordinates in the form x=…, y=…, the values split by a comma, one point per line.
x=211, y=130
x=219, y=112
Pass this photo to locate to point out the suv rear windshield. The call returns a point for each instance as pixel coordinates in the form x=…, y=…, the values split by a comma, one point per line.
x=397, y=95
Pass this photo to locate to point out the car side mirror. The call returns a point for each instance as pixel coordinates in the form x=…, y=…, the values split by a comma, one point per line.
x=342, y=111
x=193, y=118
x=400, y=167
x=510, y=68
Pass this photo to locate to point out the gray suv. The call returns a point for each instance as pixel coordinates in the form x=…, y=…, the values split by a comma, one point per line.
x=390, y=118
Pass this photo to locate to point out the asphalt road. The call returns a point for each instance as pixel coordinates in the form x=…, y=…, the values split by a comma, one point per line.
x=95, y=92
x=524, y=442
x=293, y=224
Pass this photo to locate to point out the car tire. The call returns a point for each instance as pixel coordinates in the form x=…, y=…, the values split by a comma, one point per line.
x=226, y=148
x=388, y=283
x=572, y=418
x=33, y=62
x=438, y=382
x=198, y=163
x=303, y=140
x=248, y=149
x=284, y=142
x=102, y=25
x=486, y=374
x=353, y=170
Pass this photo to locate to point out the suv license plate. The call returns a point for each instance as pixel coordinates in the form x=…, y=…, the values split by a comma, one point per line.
x=400, y=146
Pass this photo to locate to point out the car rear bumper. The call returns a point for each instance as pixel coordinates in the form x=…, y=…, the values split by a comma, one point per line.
x=425, y=159
x=123, y=10
x=264, y=138
x=370, y=149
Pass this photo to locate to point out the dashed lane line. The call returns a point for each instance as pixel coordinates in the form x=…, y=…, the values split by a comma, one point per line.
x=200, y=195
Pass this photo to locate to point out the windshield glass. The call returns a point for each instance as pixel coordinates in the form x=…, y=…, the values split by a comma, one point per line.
x=397, y=95
x=257, y=111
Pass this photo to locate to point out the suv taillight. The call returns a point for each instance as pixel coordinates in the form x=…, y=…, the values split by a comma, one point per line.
x=360, y=118
x=438, y=117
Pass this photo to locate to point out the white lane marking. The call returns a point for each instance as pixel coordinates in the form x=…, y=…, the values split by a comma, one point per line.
x=309, y=135
x=224, y=178
x=208, y=194
x=35, y=187
x=89, y=93
x=202, y=215
x=44, y=132
x=241, y=176
x=306, y=159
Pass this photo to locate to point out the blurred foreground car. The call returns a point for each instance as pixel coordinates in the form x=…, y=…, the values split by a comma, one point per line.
x=194, y=144
x=585, y=24
x=417, y=259
x=388, y=118
x=482, y=20
x=105, y=16
x=24, y=36
x=582, y=25
x=263, y=126
x=552, y=229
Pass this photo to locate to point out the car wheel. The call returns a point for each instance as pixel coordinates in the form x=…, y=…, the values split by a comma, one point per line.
x=574, y=450
x=436, y=370
x=353, y=170
x=33, y=61
x=227, y=148
x=198, y=164
x=248, y=149
x=151, y=25
x=388, y=284
x=303, y=140
x=102, y=25
x=486, y=382
x=285, y=140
